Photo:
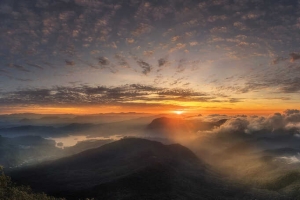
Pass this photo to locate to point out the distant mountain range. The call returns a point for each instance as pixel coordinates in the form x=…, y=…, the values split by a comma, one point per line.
x=155, y=127
x=126, y=169
x=28, y=150
x=61, y=120
x=23, y=150
x=90, y=129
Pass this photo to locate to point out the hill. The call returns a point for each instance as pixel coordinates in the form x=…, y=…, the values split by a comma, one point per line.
x=126, y=169
x=133, y=169
x=174, y=127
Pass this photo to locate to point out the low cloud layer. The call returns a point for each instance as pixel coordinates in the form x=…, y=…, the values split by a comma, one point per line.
x=284, y=124
x=288, y=120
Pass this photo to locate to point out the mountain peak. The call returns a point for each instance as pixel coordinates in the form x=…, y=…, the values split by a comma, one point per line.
x=110, y=162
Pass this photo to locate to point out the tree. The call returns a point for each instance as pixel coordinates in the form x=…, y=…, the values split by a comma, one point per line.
x=10, y=191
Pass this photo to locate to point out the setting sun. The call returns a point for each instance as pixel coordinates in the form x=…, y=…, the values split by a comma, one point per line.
x=178, y=112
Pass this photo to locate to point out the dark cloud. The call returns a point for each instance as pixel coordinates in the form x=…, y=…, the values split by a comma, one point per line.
x=235, y=100
x=180, y=92
x=162, y=62
x=88, y=64
x=36, y=93
x=69, y=62
x=181, y=65
x=19, y=67
x=94, y=90
x=3, y=71
x=145, y=66
x=35, y=65
x=103, y=61
x=291, y=112
x=102, y=95
x=279, y=98
x=290, y=85
x=294, y=56
x=122, y=61
x=145, y=88
x=24, y=79
x=281, y=80
x=278, y=60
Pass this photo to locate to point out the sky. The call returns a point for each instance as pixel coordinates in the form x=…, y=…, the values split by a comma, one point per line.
x=99, y=56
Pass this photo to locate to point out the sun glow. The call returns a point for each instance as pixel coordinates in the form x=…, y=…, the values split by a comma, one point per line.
x=178, y=112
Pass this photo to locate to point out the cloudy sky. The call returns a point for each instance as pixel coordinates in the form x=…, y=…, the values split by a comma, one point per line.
x=91, y=56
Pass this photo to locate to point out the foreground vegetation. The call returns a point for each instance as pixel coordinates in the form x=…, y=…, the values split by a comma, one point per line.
x=10, y=191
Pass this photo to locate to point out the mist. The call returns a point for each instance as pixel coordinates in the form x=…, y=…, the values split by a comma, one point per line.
x=258, y=152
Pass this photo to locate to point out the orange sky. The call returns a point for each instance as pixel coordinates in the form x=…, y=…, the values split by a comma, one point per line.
x=141, y=56
x=84, y=110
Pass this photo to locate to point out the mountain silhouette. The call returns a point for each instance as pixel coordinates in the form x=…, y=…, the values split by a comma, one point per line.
x=126, y=169
x=134, y=168
x=165, y=126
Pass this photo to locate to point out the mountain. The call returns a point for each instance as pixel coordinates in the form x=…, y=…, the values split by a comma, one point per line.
x=126, y=127
x=28, y=150
x=127, y=169
x=30, y=130
x=18, y=151
x=134, y=168
x=85, y=145
x=58, y=120
x=177, y=126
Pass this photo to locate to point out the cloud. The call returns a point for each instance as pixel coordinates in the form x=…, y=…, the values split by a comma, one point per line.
x=294, y=56
x=235, y=100
x=235, y=125
x=19, y=67
x=162, y=62
x=252, y=15
x=193, y=43
x=214, y=18
x=175, y=38
x=69, y=62
x=23, y=79
x=181, y=66
x=148, y=53
x=276, y=81
x=146, y=88
x=289, y=112
x=103, y=61
x=3, y=71
x=145, y=66
x=87, y=95
x=35, y=65
x=177, y=47
x=290, y=159
x=284, y=124
x=222, y=29
x=142, y=29
x=153, y=30
x=130, y=40
x=278, y=60
x=122, y=61
x=291, y=85
x=185, y=95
